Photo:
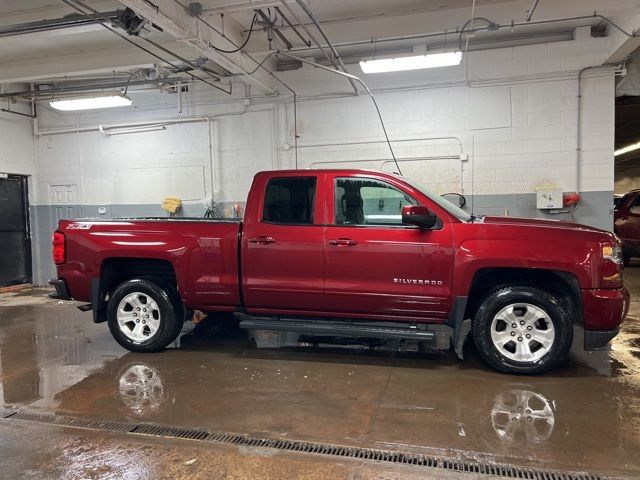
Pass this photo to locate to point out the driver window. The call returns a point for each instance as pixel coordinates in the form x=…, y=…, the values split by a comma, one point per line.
x=635, y=208
x=362, y=201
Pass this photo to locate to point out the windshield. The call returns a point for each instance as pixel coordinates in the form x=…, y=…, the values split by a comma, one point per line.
x=443, y=202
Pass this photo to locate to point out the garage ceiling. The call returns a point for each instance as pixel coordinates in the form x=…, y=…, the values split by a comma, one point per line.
x=356, y=28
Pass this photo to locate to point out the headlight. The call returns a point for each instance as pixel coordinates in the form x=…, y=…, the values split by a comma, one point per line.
x=612, y=252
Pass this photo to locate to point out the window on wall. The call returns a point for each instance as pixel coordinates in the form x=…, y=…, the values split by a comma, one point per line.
x=361, y=201
x=290, y=200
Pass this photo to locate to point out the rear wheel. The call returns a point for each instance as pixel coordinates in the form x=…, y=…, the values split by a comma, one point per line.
x=522, y=329
x=144, y=315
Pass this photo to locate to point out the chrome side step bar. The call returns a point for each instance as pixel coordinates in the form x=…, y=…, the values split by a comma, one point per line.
x=333, y=327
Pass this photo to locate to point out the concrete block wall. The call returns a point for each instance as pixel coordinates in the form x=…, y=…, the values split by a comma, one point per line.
x=514, y=116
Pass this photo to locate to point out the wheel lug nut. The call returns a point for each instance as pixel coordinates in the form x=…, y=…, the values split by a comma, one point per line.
x=144, y=321
x=519, y=339
x=529, y=327
x=528, y=336
x=144, y=310
x=137, y=320
x=138, y=308
x=514, y=325
x=521, y=322
x=513, y=334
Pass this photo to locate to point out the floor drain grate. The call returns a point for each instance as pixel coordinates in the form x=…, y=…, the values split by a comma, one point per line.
x=387, y=456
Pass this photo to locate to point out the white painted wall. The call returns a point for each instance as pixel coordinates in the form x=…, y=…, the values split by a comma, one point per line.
x=16, y=145
x=516, y=118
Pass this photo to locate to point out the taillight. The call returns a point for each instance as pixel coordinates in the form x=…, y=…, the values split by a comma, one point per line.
x=58, y=250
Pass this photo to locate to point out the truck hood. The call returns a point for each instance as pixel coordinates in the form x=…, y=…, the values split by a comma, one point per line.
x=539, y=222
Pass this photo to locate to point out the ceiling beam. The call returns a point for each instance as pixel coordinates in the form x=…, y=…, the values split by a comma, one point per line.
x=174, y=19
x=87, y=63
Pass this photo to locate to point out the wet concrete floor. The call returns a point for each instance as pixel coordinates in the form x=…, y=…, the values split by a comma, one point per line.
x=582, y=417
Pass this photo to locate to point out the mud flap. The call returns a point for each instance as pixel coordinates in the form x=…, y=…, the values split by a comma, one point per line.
x=459, y=337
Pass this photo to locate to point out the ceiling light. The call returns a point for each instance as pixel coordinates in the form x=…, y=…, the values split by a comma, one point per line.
x=432, y=60
x=627, y=149
x=89, y=103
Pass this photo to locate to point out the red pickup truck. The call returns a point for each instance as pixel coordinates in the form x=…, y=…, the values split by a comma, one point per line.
x=352, y=253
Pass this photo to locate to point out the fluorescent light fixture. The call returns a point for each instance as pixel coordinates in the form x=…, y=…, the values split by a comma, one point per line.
x=627, y=149
x=90, y=103
x=430, y=60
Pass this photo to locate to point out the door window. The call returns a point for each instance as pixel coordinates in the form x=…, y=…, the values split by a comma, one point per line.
x=363, y=201
x=290, y=200
x=635, y=206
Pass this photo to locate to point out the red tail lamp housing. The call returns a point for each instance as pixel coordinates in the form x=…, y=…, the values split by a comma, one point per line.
x=58, y=250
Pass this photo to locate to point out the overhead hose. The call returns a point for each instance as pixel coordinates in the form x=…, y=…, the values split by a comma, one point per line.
x=246, y=40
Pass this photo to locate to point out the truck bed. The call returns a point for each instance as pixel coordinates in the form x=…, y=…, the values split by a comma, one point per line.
x=205, y=251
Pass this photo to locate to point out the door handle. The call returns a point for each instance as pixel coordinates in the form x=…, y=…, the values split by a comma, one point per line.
x=264, y=240
x=343, y=242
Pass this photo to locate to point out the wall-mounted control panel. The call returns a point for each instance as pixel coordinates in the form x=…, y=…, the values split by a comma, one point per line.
x=549, y=198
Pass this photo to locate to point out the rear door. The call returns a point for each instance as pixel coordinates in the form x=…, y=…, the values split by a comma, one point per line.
x=15, y=261
x=374, y=265
x=282, y=244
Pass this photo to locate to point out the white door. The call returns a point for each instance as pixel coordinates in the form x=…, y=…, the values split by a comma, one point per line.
x=64, y=202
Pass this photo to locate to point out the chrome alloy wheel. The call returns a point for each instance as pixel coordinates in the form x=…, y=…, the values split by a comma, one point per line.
x=141, y=389
x=522, y=415
x=138, y=317
x=522, y=332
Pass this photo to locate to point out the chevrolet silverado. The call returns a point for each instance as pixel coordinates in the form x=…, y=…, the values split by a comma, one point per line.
x=352, y=253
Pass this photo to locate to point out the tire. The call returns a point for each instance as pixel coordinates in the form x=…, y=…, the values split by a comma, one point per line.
x=162, y=321
x=511, y=313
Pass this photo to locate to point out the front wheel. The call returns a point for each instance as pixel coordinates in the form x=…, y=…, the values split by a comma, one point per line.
x=144, y=315
x=522, y=329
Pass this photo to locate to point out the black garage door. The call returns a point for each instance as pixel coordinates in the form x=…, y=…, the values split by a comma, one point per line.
x=15, y=245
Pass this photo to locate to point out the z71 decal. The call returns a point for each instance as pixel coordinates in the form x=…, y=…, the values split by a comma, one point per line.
x=79, y=226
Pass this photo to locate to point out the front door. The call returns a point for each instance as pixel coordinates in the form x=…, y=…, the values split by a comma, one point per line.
x=374, y=265
x=15, y=261
x=282, y=246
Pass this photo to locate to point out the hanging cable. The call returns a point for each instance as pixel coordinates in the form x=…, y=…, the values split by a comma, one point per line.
x=246, y=40
x=361, y=82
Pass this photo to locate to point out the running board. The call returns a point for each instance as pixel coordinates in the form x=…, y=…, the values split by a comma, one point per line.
x=330, y=327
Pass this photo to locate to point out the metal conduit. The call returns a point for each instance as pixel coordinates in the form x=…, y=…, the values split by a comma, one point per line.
x=477, y=29
x=386, y=161
x=336, y=55
x=418, y=139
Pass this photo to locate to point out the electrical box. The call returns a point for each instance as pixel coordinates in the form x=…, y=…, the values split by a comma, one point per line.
x=549, y=198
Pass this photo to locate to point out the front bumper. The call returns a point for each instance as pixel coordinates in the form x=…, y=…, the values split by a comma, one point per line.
x=62, y=292
x=604, y=310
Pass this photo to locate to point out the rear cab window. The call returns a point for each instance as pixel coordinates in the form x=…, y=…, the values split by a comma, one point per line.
x=290, y=200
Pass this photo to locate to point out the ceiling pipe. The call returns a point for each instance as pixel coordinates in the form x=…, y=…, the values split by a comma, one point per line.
x=445, y=33
x=335, y=53
x=68, y=21
x=532, y=9
x=89, y=87
x=76, y=5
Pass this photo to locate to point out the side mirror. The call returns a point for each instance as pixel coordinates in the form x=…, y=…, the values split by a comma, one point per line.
x=418, y=215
